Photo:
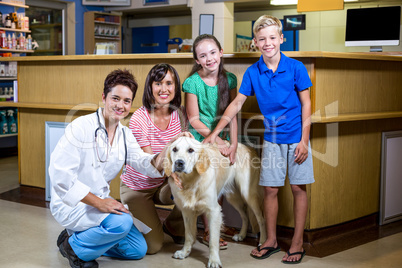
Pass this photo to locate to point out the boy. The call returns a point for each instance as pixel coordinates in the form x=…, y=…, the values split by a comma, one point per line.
x=281, y=88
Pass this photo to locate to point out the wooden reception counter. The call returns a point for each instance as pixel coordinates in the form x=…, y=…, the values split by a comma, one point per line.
x=355, y=97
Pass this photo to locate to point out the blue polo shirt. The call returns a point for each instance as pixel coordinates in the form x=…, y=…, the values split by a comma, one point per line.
x=277, y=97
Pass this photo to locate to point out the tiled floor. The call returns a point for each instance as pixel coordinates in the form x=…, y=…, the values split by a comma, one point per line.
x=29, y=236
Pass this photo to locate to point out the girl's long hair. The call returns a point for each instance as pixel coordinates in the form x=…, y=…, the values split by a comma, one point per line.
x=223, y=85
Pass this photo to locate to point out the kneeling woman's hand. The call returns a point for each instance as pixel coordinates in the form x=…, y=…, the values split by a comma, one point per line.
x=107, y=205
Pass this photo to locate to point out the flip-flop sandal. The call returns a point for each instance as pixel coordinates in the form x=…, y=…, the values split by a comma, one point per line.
x=270, y=251
x=206, y=242
x=302, y=253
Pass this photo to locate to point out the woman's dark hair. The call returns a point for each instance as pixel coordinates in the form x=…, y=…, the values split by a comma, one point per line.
x=223, y=85
x=157, y=74
x=120, y=77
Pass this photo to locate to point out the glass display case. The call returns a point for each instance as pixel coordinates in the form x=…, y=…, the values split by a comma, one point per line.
x=46, y=26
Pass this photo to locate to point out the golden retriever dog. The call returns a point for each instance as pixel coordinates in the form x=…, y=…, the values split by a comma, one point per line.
x=205, y=175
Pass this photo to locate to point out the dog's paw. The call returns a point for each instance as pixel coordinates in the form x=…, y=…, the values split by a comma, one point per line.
x=214, y=264
x=237, y=237
x=180, y=254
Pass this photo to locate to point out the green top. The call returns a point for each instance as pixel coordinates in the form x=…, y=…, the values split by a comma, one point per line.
x=207, y=97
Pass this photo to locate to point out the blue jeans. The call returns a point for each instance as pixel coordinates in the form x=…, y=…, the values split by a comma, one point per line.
x=116, y=237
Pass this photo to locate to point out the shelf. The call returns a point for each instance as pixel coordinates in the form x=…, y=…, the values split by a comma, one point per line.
x=37, y=26
x=335, y=118
x=8, y=135
x=72, y=107
x=6, y=78
x=107, y=37
x=107, y=23
x=16, y=50
x=355, y=117
x=48, y=50
x=13, y=4
x=14, y=30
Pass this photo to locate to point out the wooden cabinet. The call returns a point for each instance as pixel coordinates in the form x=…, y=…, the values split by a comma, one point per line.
x=102, y=28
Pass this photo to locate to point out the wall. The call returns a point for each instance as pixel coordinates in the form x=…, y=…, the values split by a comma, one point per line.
x=79, y=24
x=325, y=30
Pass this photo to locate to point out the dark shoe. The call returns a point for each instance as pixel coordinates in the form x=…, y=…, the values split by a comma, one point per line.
x=63, y=235
x=177, y=239
x=301, y=253
x=270, y=251
x=75, y=262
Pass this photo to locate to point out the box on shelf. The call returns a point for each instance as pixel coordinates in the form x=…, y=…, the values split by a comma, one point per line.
x=186, y=48
x=8, y=69
x=173, y=48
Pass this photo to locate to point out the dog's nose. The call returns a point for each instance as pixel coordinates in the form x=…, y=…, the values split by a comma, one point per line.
x=179, y=165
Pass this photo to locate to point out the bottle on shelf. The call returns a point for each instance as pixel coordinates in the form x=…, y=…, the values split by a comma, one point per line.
x=13, y=41
x=22, y=20
x=3, y=123
x=1, y=20
x=12, y=123
x=10, y=94
x=2, y=37
x=9, y=43
x=26, y=23
x=29, y=42
x=21, y=41
x=19, y=21
x=8, y=21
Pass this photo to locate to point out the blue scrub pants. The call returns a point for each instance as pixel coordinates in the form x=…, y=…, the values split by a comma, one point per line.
x=115, y=237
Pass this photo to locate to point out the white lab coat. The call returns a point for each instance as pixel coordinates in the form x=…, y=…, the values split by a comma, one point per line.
x=75, y=170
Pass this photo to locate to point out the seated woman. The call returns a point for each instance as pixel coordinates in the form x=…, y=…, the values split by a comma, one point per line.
x=153, y=125
x=85, y=160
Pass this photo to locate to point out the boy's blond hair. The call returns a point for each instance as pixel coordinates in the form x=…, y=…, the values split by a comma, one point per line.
x=265, y=21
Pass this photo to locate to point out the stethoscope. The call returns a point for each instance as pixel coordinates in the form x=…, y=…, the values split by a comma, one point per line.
x=102, y=128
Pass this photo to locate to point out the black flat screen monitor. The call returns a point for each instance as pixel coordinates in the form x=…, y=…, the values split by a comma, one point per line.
x=373, y=27
x=294, y=22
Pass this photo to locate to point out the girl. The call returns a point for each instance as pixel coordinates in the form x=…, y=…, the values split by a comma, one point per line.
x=209, y=90
x=153, y=125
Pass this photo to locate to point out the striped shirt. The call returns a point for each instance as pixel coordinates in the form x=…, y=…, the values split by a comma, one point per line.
x=148, y=134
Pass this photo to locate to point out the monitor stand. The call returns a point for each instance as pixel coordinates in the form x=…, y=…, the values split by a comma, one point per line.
x=376, y=49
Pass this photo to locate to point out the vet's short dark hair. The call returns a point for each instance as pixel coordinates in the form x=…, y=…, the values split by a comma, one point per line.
x=120, y=77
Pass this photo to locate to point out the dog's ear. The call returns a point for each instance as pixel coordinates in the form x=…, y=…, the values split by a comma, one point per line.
x=167, y=163
x=203, y=162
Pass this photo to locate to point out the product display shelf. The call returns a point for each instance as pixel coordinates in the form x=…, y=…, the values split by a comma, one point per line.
x=97, y=31
x=17, y=6
x=6, y=78
x=14, y=30
x=13, y=5
x=8, y=135
x=16, y=50
x=106, y=37
x=334, y=118
x=50, y=106
x=107, y=23
x=41, y=26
